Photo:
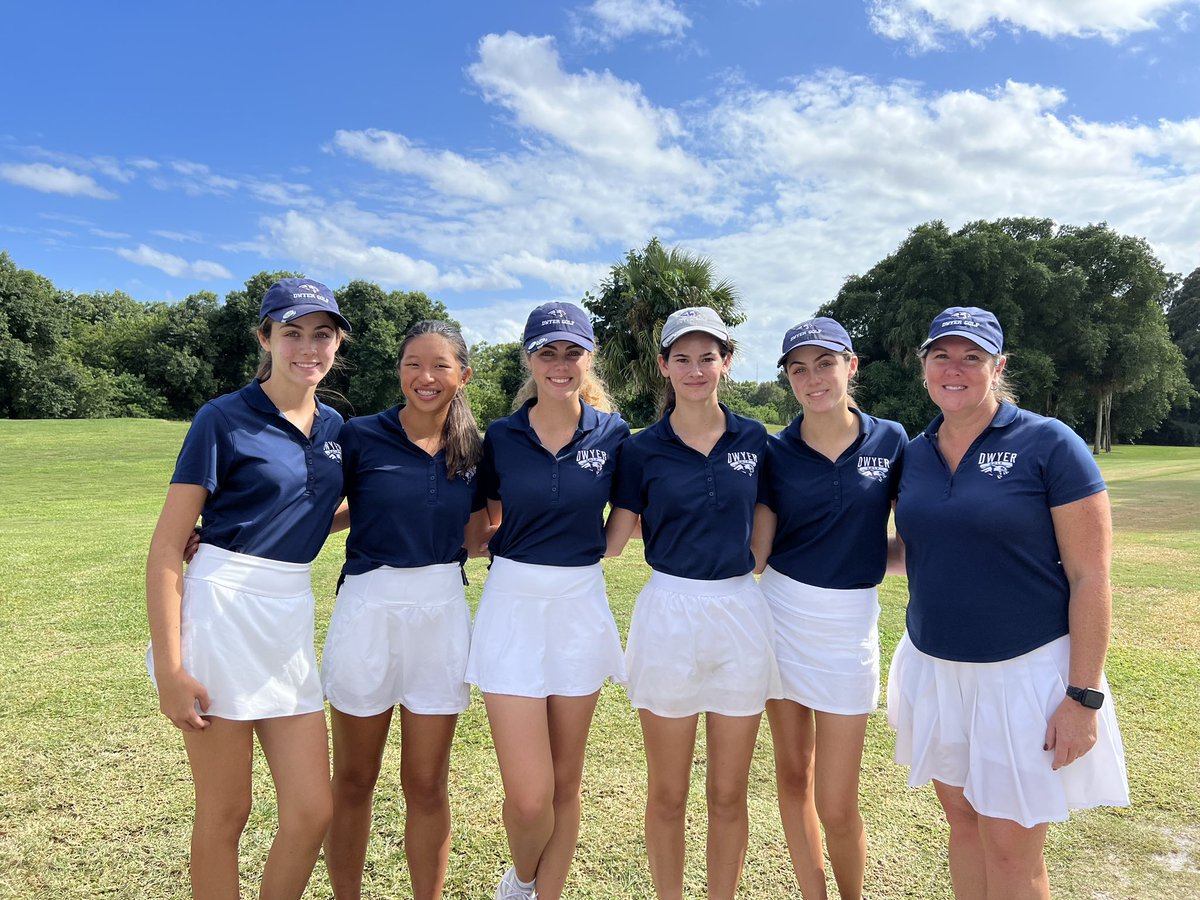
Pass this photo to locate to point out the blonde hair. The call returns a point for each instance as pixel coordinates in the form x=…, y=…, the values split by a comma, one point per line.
x=592, y=389
x=1002, y=387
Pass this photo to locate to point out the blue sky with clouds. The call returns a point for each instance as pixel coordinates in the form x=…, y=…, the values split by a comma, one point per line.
x=499, y=155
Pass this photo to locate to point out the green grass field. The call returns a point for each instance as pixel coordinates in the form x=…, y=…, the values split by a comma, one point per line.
x=95, y=797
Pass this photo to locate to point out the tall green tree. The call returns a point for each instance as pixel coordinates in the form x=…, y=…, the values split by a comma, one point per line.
x=498, y=373
x=1080, y=308
x=1182, y=425
x=628, y=313
x=366, y=381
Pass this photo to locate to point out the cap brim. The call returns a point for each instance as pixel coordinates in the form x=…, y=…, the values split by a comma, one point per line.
x=971, y=336
x=305, y=309
x=689, y=329
x=543, y=339
x=828, y=345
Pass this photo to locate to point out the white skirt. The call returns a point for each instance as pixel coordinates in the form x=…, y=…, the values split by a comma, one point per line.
x=544, y=630
x=399, y=636
x=981, y=727
x=701, y=646
x=826, y=642
x=247, y=635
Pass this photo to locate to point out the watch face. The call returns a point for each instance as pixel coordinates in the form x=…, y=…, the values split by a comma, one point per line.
x=1092, y=699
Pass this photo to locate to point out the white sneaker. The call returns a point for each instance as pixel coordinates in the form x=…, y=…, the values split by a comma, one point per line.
x=510, y=888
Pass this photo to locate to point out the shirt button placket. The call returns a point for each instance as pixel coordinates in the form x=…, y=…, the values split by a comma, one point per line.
x=554, y=492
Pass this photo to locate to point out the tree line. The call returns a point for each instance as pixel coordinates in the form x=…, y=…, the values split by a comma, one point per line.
x=1098, y=334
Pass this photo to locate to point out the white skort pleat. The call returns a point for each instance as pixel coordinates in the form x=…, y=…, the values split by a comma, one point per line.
x=544, y=630
x=982, y=726
x=826, y=642
x=247, y=635
x=701, y=646
x=399, y=636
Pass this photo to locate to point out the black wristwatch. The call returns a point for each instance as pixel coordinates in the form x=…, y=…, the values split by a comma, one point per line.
x=1092, y=699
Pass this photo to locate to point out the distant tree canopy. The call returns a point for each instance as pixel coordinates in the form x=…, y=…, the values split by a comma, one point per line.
x=628, y=313
x=1081, y=309
x=1097, y=334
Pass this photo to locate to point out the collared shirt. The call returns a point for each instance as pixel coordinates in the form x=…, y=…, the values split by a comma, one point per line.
x=553, y=503
x=696, y=510
x=985, y=578
x=832, y=516
x=404, y=510
x=272, y=490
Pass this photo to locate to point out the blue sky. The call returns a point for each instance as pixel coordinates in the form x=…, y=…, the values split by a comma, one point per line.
x=499, y=155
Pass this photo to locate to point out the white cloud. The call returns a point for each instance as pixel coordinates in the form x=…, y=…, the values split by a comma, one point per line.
x=619, y=19
x=594, y=115
x=175, y=266
x=448, y=172
x=322, y=243
x=53, y=180
x=110, y=235
x=178, y=236
x=923, y=24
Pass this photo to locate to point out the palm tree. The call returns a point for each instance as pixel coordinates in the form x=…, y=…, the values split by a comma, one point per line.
x=629, y=312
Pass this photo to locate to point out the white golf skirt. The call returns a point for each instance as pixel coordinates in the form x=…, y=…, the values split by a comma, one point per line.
x=399, y=636
x=982, y=726
x=544, y=630
x=827, y=643
x=247, y=635
x=701, y=646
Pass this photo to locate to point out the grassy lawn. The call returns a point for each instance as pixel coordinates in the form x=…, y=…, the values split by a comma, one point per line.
x=95, y=798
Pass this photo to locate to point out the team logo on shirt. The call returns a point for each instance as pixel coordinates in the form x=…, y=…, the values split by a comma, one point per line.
x=874, y=467
x=333, y=450
x=592, y=460
x=997, y=464
x=468, y=474
x=743, y=461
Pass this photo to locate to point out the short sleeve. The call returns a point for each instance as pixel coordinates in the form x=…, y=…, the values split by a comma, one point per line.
x=627, y=479
x=348, y=438
x=206, y=451
x=1071, y=472
x=489, y=482
x=897, y=467
x=766, y=494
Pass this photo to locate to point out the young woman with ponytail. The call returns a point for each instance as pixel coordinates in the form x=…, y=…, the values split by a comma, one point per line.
x=400, y=630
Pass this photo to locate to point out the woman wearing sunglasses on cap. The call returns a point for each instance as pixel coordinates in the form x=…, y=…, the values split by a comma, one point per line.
x=544, y=640
x=821, y=544
x=232, y=642
x=700, y=637
x=997, y=689
x=401, y=629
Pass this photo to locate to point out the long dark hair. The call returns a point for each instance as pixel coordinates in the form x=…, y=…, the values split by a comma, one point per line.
x=460, y=435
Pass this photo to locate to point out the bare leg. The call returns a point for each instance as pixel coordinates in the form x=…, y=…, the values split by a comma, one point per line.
x=968, y=874
x=570, y=718
x=521, y=732
x=297, y=750
x=424, y=776
x=358, y=744
x=1014, y=858
x=670, y=747
x=730, y=750
x=838, y=754
x=793, y=733
x=220, y=757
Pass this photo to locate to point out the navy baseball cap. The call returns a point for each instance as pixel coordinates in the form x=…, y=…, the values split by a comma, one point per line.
x=971, y=322
x=693, y=318
x=291, y=298
x=558, y=322
x=819, y=332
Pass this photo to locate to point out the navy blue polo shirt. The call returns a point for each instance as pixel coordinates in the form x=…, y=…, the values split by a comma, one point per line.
x=696, y=510
x=832, y=528
x=404, y=511
x=272, y=490
x=553, y=504
x=985, y=580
